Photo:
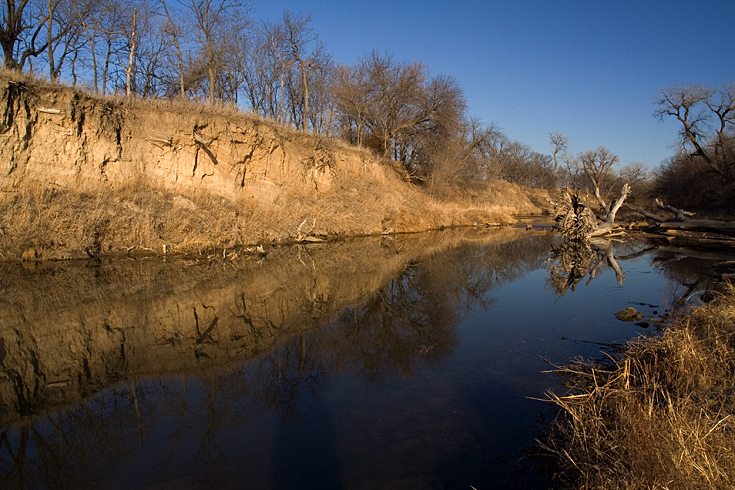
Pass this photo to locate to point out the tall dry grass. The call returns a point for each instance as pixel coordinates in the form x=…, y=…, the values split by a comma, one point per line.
x=38, y=222
x=659, y=416
x=52, y=223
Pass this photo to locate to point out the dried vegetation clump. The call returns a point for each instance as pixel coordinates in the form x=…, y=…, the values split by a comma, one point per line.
x=659, y=416
x=573, y=218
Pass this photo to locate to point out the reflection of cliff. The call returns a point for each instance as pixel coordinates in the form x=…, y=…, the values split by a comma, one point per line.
x=174, y=357
x=71, y=330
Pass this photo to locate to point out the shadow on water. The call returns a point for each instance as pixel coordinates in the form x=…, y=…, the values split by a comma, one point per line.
x=391, y=362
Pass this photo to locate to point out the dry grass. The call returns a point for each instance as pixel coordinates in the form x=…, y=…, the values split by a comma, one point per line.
x=41, y=223
x=659, y=416
x=56, y=224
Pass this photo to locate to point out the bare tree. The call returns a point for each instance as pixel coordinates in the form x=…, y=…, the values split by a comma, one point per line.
x=597, y=166
x=105, y=31
x=175, y=33
x=15, y=23
x=63, y=33
x=22, y=26
x=701, y=176
x=263, y=72
x=156, y=71
x=707, y=117
x=399, y=111
x=560, y=144
x=351, y=90
x=522, y=165
x=212, y=25
x=297, y=36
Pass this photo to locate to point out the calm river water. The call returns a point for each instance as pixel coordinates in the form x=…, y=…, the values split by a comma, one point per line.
x=402, y=362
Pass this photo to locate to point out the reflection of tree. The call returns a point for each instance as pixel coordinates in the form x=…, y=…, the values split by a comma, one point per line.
x=65, y=449
x=290, y=377
x=403, y=322
x=574, y=260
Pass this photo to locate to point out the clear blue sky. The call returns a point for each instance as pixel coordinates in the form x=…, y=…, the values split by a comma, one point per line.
x=589, y=69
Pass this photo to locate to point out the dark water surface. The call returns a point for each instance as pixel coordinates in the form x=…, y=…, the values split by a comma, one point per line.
x=394, y=362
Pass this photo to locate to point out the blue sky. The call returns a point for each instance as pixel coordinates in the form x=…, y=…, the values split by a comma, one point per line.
x=590, y=69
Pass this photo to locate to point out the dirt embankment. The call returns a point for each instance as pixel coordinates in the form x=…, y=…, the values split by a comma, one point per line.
x=82, y=176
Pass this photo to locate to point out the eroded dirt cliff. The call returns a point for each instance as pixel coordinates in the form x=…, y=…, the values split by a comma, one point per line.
x=60, y=137
x=83, y=176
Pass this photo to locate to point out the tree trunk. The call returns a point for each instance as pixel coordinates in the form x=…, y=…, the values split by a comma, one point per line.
x=52, y=69
x=130, y=68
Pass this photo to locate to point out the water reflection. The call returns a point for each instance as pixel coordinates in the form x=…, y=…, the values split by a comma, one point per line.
x=573, y=260
x=173, y=374
x=692, y=267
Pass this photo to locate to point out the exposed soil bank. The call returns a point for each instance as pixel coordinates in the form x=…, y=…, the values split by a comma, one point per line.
x=82, y=176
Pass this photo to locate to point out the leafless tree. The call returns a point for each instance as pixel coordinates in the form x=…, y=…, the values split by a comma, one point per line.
x=467, y=160
x=214, y=22
x=521, y=165
x=297, y=37
x=174, y=30
x=29, y=28
x=351, y=90
x=157, y=71
x=597, y=166
x=707, y=117
x=560, y=144
x=398, y=110
x=263, y=73
x=105, y=32
x=701, y=176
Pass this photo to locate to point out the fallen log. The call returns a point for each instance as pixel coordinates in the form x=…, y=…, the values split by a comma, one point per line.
x=682, y=220
x=724, y=227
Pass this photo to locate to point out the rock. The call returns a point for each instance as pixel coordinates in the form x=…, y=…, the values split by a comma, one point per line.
x=184, y=203
x=30, y=254
x=629, y=314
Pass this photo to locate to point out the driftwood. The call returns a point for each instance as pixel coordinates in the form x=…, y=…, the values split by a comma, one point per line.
x=608, y=222
x=576, y=221
x=683, y=220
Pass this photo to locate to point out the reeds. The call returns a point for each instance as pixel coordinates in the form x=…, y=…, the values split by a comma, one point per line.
x=661, y=415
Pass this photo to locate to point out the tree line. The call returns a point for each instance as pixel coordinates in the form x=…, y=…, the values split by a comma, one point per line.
x=214, y=51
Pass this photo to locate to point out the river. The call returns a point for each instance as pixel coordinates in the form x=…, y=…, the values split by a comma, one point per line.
x=410, y=361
